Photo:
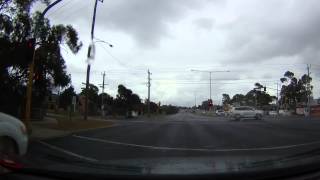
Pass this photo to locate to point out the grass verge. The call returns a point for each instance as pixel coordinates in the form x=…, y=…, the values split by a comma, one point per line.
x=77, y=124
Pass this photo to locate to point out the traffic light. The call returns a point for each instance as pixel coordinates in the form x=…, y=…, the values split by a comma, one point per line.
x=210, y=102
x=265, y=89
x=30, y=46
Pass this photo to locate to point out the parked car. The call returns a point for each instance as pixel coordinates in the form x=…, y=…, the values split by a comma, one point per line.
x=285, y=112
x=13, y=136
x=273, y=113
x=220, y=112
x=246, y=112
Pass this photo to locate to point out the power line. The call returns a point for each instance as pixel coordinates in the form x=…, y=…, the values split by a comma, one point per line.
x=120, y=62
x=59, y=8
x=204, y=83
x=115, y=58
x=199, y=80
x=71, y=13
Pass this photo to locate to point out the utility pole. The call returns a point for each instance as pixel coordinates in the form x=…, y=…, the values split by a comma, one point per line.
x=210, y=79
x=309, y=89
x=278, y=106
x=210, y=85
x=102, y=98
x=149, y=85
x=195, y=100
x=31, y=70
x=90, y=49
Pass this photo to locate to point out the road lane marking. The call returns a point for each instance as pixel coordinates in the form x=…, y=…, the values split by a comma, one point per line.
x=195, y=149
x=68, y=152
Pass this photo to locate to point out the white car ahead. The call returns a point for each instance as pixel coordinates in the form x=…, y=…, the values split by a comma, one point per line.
x=220, y=113
x=13, y=136
x=246, y=112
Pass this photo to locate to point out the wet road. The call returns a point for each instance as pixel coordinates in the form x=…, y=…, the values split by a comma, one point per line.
x=184, y=135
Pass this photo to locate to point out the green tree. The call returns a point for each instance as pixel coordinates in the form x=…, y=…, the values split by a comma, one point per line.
x=226, y=99
x=65, y=98
x=92, y=98
x=239, y=99
x=108, y=102
x=126, y=100
x=17, y=25
x=294, y=91
x=258, y=98
x=169, y=109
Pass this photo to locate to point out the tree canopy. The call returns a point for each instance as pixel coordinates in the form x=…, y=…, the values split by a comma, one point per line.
x=255, y=97
x=293, y=90
x=17, y=26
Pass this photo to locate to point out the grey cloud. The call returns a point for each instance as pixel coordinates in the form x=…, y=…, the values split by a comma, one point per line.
x=146, y=20
x=287, y=30
x=204, y=23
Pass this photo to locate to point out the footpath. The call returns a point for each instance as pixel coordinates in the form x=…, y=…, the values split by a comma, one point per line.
x=57, y=125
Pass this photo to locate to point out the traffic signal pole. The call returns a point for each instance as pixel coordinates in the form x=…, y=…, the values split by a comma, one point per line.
x=31, y=71
x=29, y=94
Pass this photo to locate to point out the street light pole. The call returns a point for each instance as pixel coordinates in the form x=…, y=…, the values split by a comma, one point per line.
x=89, y=53
x=210, y=78
x=309, y=91
x=195, y=100
x=31, y=70
x=149, y=85
x=210, y=85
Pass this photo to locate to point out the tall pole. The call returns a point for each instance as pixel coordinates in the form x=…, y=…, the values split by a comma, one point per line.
x=195, y=100
x=102, y=98
x=309, y=90
x=89, y=66
x=278, y=106
x=210, y=79
x=210, y=85
x=31, y=70
x=149, y=85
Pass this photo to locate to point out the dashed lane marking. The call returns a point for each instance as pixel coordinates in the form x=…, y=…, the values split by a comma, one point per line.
x=68, y=152
x=196, y=149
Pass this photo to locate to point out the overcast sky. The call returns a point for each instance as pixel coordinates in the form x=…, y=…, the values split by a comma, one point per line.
x=257, y=41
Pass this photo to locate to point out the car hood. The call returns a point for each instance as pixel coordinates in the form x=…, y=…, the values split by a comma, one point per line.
x=7, y=118
x=181, y=165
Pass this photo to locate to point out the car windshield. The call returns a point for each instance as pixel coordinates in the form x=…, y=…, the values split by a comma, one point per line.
x=165, y=86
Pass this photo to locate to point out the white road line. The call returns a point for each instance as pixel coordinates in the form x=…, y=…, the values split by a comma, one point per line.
x=68, y=152
x=196, y=149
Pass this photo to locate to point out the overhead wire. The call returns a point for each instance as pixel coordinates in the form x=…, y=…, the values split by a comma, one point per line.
x=122, y=63
x=59, y=8
x=70, y=13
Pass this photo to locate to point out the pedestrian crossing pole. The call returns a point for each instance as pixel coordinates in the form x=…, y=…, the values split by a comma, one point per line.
x=31, y=71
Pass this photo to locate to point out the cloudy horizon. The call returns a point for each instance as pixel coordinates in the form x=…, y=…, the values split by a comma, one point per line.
x=256, y=41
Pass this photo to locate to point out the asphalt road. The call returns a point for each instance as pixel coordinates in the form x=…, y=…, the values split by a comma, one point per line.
x=183, y=135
